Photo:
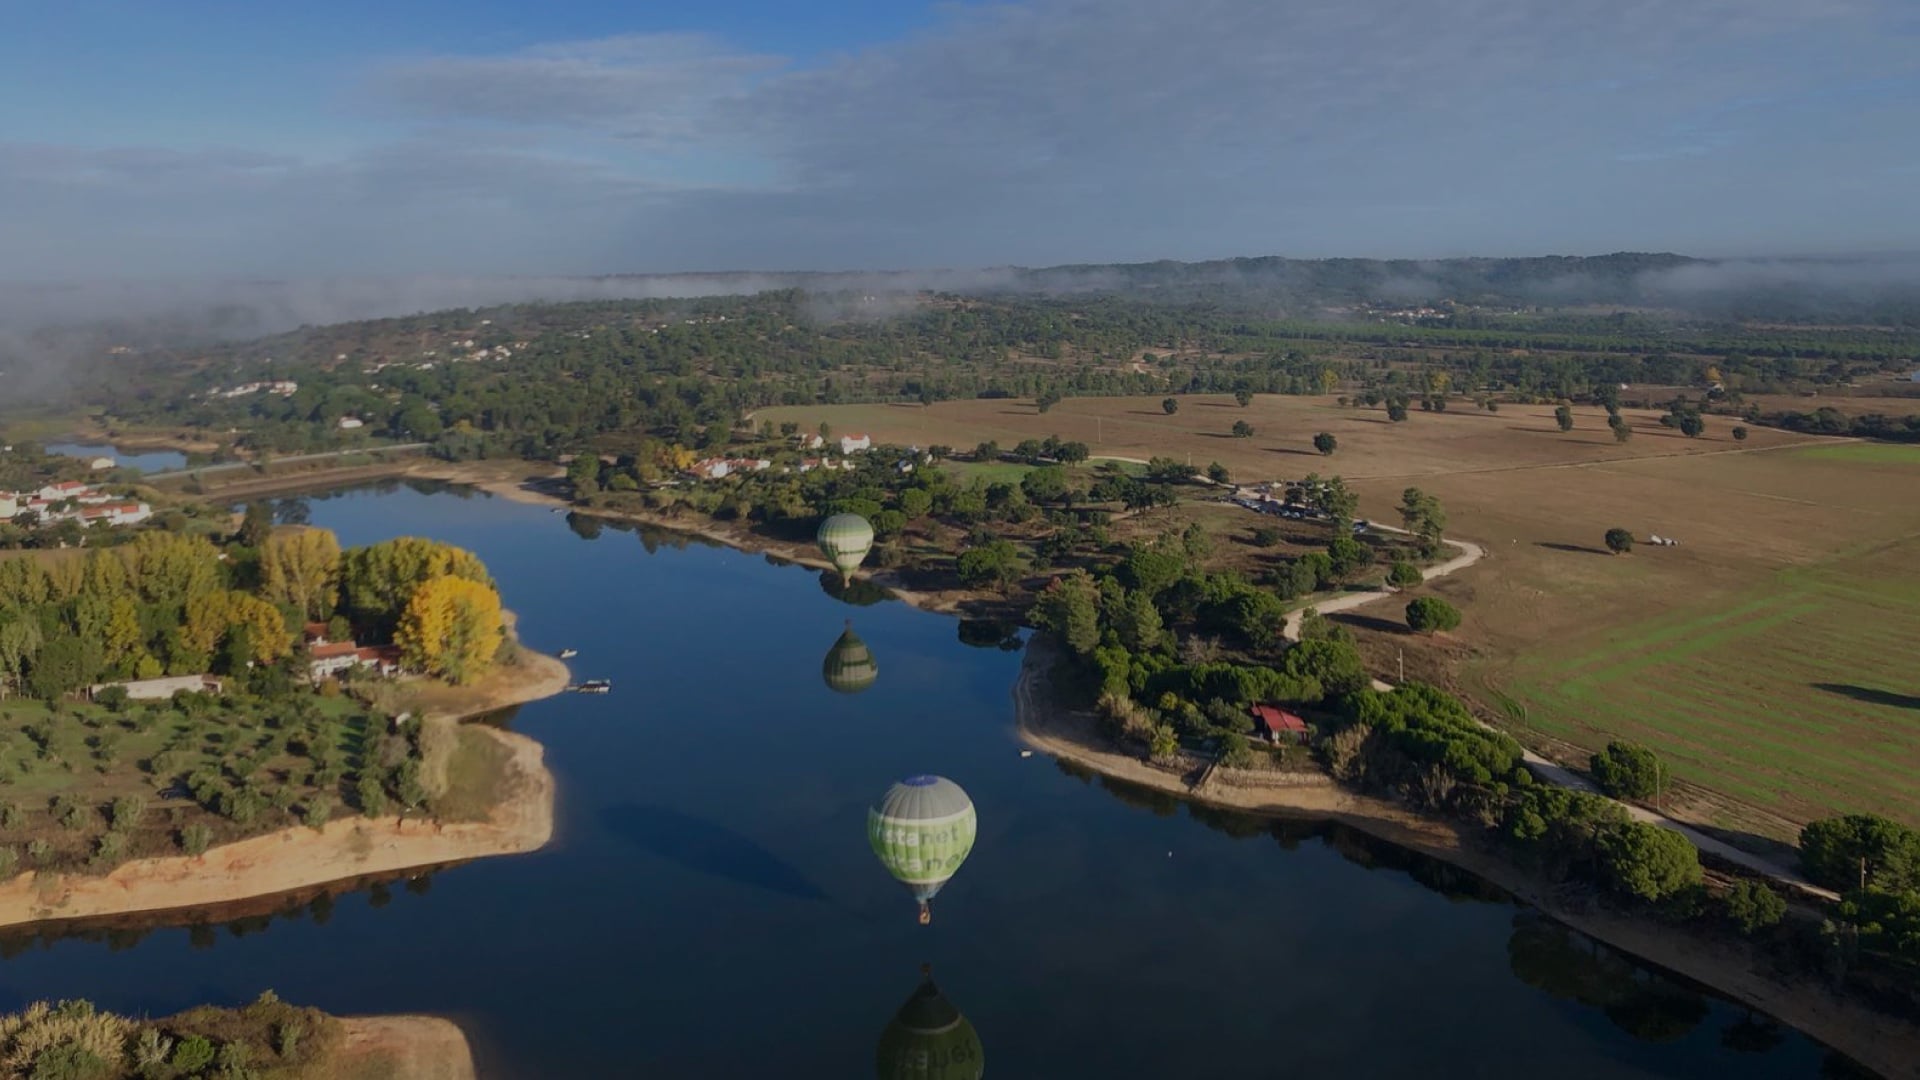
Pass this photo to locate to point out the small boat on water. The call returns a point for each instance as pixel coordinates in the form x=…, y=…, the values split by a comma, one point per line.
x=568, y=654
x=593, y=686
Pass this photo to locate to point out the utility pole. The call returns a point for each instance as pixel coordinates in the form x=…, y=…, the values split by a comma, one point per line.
x=1401, y=654
x=1099, y=431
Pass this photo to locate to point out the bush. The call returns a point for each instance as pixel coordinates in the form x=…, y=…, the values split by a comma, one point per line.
x=1234, y=751
x=1628, y=771
x=317, y=810
x=109, y=848
x=195, y=839
x=1430, y=614
x=1404, y=575
x=38, y=850
x=1835, y=852
x=126, y=811
x=1265, y=536
x=372, y=795
x=1164, y=742
x=1619, y=541
x=9, y=862
x=193, y=1054
x=1648, y=861
x=1753, y=906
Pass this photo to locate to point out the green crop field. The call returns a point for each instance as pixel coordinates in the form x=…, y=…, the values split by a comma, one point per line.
x=1802, y=694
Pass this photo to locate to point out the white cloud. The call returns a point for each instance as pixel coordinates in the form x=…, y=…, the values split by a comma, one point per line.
x=1059, y=130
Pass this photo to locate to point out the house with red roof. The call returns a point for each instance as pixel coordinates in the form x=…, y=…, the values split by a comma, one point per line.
x=1278, y=725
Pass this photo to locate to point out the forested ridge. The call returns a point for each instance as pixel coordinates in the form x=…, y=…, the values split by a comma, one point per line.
x=542, y=379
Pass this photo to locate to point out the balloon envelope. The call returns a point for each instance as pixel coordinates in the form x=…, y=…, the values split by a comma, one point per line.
x=845, y=539
x=929, y=1039
x=922, y=831
x=849, y=667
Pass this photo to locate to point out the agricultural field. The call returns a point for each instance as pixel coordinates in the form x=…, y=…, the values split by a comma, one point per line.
x=1770, y=655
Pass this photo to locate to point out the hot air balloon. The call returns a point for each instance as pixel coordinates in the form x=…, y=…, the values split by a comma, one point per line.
x=849, y=667
x=846, y=539
x=922, y=831
x=929, y=1039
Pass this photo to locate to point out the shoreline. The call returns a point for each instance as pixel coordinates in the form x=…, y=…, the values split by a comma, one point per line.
x=300, y=857
x=1883, y=1043
x=493, y=482
x=404, y=1047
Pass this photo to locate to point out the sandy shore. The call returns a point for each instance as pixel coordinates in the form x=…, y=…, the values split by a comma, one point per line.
x=300, y=857
x=402, y=1048
x=1883, y=1043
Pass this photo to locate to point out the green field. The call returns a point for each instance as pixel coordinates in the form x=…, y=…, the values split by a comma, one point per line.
x=1802, y=695
x=1867, y=453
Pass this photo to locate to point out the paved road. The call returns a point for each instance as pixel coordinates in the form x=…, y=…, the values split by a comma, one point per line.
x=1555, y=773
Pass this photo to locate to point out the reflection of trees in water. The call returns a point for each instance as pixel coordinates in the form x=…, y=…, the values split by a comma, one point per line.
x=990, y=634
x=1352, y=845
x=1572, y=967
x=584, y=526
x=1075, y=769
x=292, y=512
x=858, y=592
x=240, y=918
x=501, y=718
x=1153, y=800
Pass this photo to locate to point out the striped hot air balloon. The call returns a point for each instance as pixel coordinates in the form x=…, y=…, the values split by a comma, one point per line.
x=929, y=1039
x=849, y=667
x=846, y=539
x=922, y=831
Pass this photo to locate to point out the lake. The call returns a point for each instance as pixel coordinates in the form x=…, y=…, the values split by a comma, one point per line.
x=148, y=461
x=710, y=907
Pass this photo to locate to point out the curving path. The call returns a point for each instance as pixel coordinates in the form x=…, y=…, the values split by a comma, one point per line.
x=1554, y=773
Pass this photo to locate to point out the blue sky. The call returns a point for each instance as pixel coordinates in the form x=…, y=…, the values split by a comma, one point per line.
x=143, y=140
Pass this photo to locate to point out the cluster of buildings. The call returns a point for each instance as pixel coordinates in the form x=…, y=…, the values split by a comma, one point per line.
x=715, y=468
x=71, y=500
x=326, y=659
x=849, y=444
x=282, y=387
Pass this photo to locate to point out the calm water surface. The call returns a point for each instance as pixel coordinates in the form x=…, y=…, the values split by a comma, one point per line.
x=709, y=907
x=144, y=460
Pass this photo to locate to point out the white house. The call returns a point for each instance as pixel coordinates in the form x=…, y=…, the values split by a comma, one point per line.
x=161, y=689
x=810, y=442
x=9, y=506
x=711, y=468
x=66, y=489
x=120, y=513
x=853, y=444
x=348, y=423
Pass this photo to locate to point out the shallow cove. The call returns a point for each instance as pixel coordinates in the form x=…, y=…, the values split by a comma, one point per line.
x=709, y=906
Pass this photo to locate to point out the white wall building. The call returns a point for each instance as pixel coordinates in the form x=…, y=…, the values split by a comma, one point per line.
x=853, y=444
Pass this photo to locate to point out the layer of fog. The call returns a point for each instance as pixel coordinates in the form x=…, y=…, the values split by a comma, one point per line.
x=44, y=328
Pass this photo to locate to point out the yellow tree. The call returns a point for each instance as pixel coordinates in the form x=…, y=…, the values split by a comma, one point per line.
x=171, y=568
x=212, y=616
x=301, y=568
x=23, y=584
x=265, y=626
x=381, y=578
x=124, y=641
x=451, y=628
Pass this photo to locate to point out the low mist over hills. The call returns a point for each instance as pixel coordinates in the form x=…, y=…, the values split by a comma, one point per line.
x=46, y=328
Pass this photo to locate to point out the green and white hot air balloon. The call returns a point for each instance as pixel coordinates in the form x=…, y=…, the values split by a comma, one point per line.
x=846, y=539
x=849, y=667
x=922, y=831
x=929, y=1039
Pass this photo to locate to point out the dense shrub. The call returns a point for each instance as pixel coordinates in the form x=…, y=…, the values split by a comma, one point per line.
x=1628, y=770
x=1838, y=852
x=1430, y=614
